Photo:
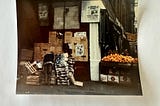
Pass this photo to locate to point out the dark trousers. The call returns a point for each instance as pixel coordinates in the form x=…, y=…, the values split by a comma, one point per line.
x=48, y=72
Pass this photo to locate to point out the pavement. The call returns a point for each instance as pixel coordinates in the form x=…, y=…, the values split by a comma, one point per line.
x=89, y=88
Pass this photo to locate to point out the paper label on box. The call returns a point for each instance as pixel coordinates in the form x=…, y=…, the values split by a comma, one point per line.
x=112, y=78
x=79, y=49
x=80, y=34
x=125, y=79
x=103, y=77
x=70, y=46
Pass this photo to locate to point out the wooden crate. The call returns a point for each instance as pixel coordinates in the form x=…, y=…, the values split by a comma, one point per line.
x=33, y=80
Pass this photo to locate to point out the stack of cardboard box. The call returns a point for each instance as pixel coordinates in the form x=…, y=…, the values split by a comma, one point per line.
x=79, y=45
x=54, y=45
x=62, y=69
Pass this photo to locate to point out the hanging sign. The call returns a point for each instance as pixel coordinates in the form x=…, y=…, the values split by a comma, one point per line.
x=90, y=12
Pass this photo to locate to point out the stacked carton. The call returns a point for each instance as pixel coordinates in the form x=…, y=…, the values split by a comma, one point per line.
x=115, y=74
x=62, y=69
x=54, y=45
x=54, y=39
x=79, y=45
x=41, y=49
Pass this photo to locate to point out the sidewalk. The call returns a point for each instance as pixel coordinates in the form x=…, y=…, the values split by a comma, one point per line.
x=89, y=88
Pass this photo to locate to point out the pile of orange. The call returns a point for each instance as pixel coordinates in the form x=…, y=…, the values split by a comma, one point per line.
x=119, y=58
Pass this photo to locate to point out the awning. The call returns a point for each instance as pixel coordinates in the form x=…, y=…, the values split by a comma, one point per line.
x=111, y=13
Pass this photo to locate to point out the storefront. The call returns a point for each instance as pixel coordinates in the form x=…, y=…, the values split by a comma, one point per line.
x=75, y=40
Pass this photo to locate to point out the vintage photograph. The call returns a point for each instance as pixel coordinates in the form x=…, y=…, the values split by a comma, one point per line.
x=82, y=47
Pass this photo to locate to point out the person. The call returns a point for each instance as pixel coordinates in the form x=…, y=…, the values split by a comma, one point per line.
x=48, y=63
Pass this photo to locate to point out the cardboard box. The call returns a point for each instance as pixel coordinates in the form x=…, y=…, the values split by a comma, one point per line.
x=113, y=78
x=112, y=71
x=58, y=50
x=131, y=37
x=54, y=40
x=26, y=55
x=77, y=57
x=37, y=53
x=125, y=80
x=41, y=49
x=68, y=37
x=52, y=37
x=76, y=40
x=83, y=43
x=103, y=78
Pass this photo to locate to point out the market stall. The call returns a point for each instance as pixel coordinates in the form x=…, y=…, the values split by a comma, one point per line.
x=119, y=69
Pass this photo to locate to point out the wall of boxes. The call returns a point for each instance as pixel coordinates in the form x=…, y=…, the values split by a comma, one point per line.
x=54, y=45
x=77, y=42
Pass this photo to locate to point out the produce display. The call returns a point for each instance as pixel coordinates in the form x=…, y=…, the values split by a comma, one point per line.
x=119, y=58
